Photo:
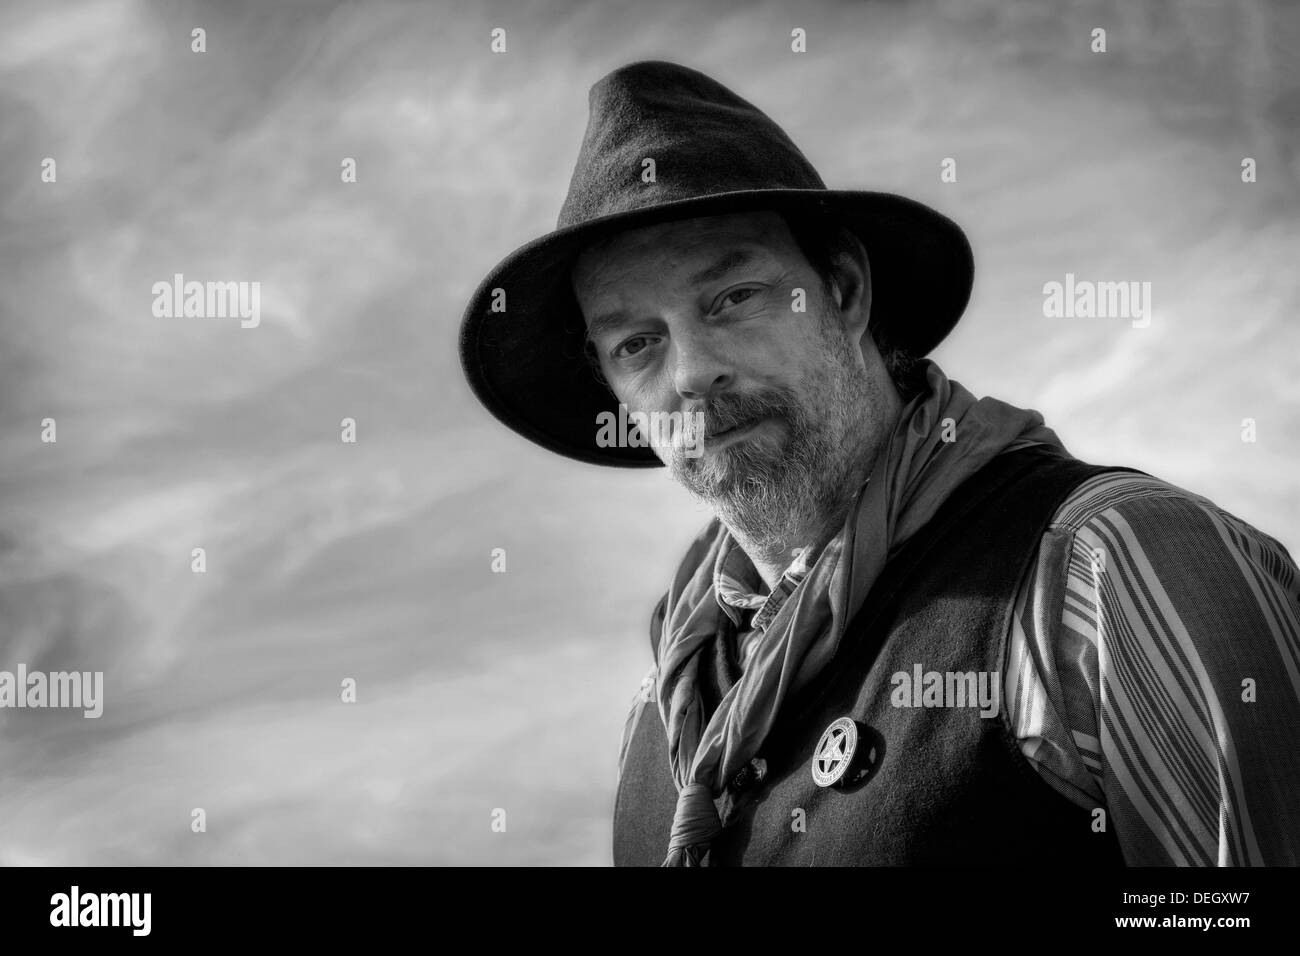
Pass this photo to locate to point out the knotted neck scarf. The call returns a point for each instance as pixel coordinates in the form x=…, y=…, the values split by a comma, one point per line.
x=942, y=437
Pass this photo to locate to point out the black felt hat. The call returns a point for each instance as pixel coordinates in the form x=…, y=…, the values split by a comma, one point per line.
x=714, y=154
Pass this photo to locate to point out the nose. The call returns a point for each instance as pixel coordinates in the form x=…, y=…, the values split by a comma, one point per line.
x=702, y=368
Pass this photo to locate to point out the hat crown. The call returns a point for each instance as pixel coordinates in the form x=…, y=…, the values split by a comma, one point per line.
x=703, y=138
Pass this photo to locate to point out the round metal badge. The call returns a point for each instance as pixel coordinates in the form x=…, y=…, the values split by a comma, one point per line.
x=834, y=752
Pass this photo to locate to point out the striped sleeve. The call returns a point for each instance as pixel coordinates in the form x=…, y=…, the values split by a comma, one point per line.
x=1155, y=672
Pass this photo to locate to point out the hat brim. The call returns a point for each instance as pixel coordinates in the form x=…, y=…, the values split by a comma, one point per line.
x=527, y=365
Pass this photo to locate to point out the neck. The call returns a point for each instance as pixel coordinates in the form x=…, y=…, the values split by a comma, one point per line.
x=772, y=563
x=772, y=547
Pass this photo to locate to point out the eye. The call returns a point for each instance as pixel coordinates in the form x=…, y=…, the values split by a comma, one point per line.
x=630, y=347
x=736, y=296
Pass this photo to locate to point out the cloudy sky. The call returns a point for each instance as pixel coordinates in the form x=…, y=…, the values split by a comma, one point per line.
x=325, y=560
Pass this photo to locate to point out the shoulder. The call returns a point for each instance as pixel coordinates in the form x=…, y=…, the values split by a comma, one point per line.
x=1142, y=566
x=1116, y=494
x=1149, y=524
x=1135, y=569
x=644, y=695
x=646, y=692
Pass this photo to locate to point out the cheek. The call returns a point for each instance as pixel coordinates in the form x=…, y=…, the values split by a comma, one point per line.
x=769, y=345
x=651, y=387
x=646, y=391
x=798, y=350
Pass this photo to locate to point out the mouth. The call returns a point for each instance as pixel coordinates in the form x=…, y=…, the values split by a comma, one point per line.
x=735, y=431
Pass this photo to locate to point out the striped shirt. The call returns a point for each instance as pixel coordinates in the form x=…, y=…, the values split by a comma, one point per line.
x=1154, y=671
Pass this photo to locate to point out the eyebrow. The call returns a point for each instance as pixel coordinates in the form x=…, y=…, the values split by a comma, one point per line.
x=728, y=262
x=606, y=323
x=732, y=260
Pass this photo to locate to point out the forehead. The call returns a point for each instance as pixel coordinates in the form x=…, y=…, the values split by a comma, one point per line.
x=675, y=250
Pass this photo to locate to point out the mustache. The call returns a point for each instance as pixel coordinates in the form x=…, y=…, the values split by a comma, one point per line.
x=731, y=411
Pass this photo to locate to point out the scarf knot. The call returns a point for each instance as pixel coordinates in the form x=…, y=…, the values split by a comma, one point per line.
x=695, y=826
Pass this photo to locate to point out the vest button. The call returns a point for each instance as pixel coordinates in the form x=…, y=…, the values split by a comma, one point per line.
x=749, y=775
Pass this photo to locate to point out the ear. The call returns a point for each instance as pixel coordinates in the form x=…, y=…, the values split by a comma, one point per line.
x=852, y=272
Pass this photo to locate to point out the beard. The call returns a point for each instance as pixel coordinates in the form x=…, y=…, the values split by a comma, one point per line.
x=792, y=485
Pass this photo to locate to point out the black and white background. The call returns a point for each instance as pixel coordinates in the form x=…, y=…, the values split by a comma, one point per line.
x=371, y=560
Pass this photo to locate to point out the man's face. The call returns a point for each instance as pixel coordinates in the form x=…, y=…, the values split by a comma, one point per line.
x=697, y=316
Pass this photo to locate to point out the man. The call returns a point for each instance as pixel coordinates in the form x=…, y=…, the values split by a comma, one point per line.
x=918, y=631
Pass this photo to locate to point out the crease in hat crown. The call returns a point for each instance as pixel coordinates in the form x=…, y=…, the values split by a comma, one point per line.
x=688, y=123
x=715, y=153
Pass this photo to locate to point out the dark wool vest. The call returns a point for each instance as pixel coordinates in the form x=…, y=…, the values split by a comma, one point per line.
x=937, y=786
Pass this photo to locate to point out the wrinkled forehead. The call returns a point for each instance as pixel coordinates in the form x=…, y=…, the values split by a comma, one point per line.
x=649, y=254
